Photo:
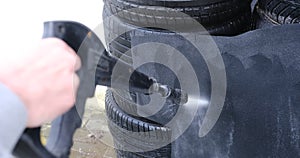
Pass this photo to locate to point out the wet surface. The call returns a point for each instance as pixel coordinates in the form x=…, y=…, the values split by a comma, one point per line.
x=93, y=139
x=260, y=116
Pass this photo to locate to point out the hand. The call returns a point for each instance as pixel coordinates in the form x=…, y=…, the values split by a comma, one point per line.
x=46, y=82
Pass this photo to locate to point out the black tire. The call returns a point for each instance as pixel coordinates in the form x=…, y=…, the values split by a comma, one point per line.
x=126, y=102
x=136, y=134
x=122, y=44
x=260, y=21
x=280, y=11
x=233, y=26
x=149, y=12
x=118, y=45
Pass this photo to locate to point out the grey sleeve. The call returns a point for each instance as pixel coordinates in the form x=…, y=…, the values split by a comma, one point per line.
x=13, y=118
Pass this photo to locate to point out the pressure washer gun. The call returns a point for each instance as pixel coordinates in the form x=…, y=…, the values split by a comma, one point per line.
x=98, y=68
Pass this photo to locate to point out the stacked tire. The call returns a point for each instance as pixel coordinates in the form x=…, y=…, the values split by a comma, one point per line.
x=136, y=137
x=149, y=17
x=218, y=17
x=278, y=12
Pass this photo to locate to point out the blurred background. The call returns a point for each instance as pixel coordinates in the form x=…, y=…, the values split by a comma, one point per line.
x=22, y=22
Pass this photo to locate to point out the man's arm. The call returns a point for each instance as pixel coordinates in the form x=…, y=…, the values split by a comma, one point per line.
x=37, y=89
x=13, y=119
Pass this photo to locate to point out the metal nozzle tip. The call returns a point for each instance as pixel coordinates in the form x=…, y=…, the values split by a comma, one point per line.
x=179, y=96
x=163, y=90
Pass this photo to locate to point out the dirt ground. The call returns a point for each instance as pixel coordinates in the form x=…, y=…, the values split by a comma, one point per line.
x=93, y=139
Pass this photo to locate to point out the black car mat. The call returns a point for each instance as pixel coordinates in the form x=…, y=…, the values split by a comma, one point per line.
x=261, y=113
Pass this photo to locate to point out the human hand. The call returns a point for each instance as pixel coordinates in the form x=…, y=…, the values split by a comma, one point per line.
x=46, y=82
